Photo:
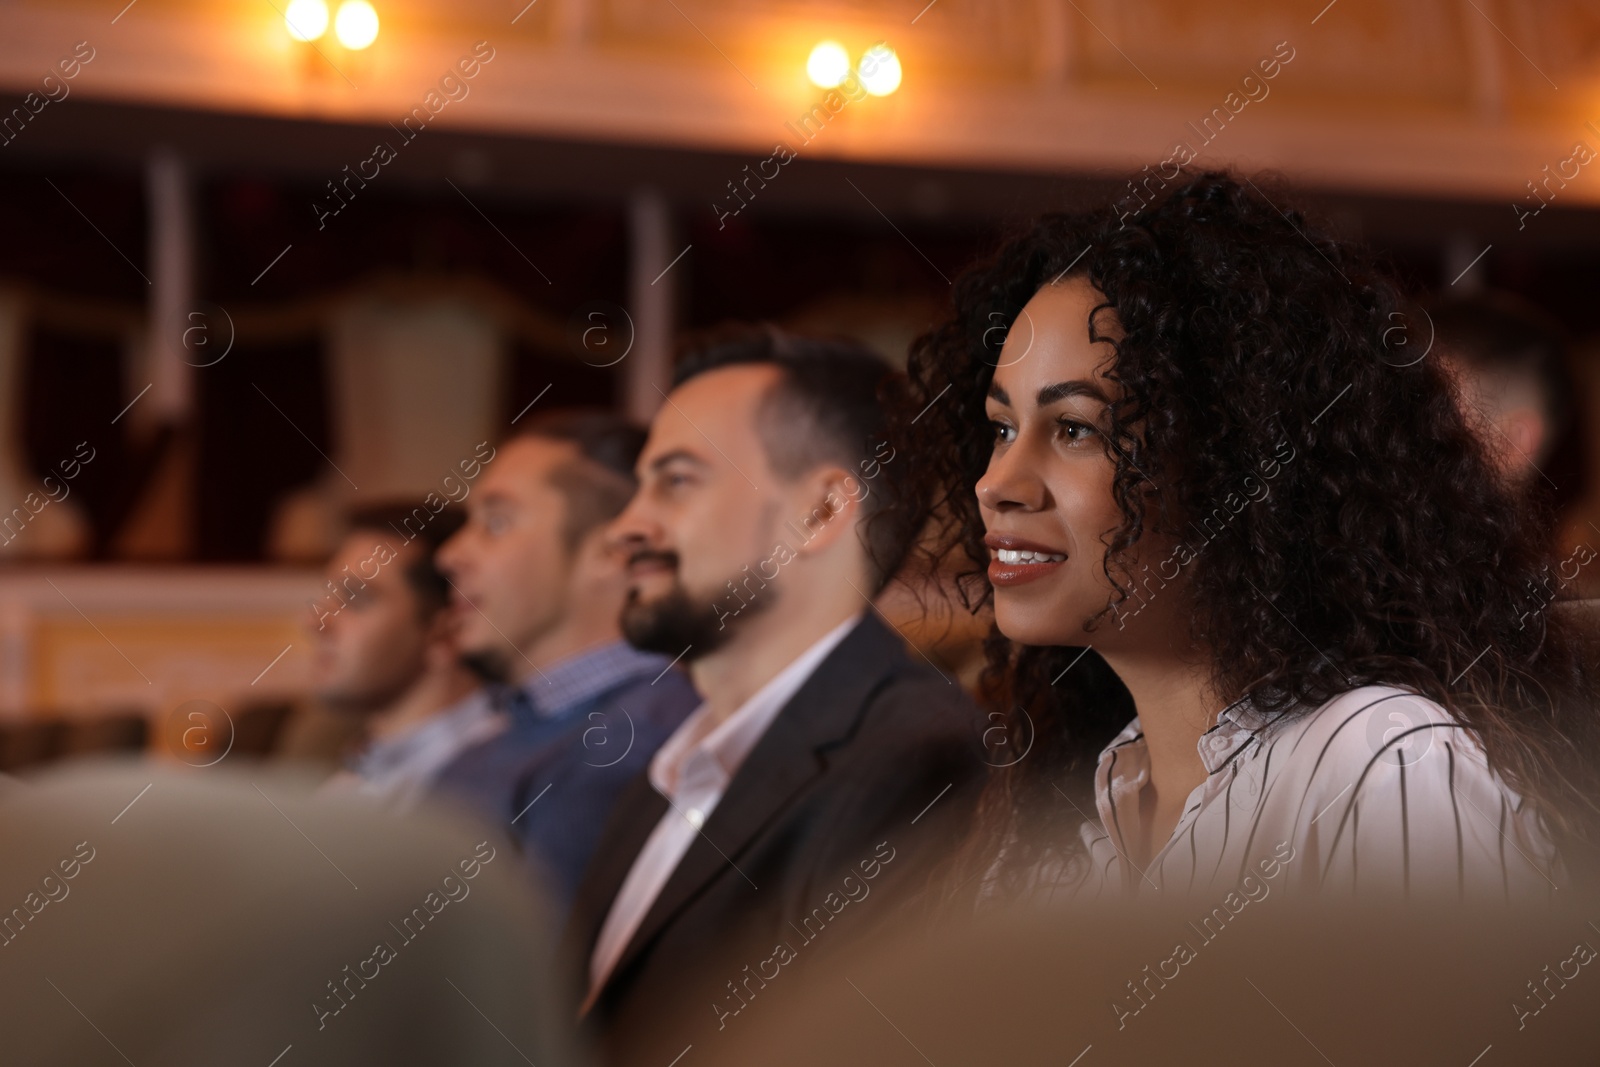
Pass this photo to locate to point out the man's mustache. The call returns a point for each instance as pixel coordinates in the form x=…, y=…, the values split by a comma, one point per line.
x=652, y=555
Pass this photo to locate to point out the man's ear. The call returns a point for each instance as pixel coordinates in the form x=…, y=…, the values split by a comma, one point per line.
x=1526, y=430
x=835, y=494
x=439, y=645
x=599, y=555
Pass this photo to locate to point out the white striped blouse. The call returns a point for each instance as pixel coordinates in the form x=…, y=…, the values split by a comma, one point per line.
x=1378, y=791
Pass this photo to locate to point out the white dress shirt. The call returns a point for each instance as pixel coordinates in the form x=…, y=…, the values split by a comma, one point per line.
x=1378, y=791
x=692, y=770
x=398, y=771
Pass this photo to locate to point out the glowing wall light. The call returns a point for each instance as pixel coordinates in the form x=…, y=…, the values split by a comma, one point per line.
x=356, y=25
x=828, y=65
x=880, y=70
x=307, y=19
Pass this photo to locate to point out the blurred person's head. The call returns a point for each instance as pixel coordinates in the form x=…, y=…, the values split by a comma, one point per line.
x=1511, y=363
x=533, y=576
x=202, y=886
x=755, y=487
x=382, y=626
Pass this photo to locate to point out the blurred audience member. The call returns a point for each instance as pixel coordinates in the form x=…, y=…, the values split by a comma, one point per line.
x=537, y=594
x=797, y=787
x=1511, y=360
x=184, y=918
x=385, y=653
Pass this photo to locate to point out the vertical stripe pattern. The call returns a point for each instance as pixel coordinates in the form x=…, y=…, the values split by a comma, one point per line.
x=1377, y=792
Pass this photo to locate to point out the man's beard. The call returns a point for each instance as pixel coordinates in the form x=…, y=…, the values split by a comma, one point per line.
x=683, y=626
x=491, y=666
x=360, y=702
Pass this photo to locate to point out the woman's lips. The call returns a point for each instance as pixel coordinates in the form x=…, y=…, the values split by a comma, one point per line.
x=1004, y=574
x=1017, y=572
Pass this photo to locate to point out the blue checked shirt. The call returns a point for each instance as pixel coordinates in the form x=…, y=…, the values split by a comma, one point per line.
x=575, y=733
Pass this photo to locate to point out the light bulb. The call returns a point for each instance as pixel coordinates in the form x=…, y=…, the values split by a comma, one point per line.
x=307, y=19
x=356, y=25
x=880, y=70
x=828, y=65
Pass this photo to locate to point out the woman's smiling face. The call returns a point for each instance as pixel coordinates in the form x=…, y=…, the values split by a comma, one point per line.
x=1046, y=498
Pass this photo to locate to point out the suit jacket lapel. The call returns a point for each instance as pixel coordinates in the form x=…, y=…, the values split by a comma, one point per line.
x=824, y=710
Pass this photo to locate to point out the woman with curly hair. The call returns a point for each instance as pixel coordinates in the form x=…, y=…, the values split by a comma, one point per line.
x=1264, y=608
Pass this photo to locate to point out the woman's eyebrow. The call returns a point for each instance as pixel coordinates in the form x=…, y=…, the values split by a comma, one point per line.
x=999, y=394
x=1077, y=387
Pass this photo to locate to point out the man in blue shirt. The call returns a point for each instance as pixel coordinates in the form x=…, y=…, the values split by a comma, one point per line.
x=384, y=655
x=537, y=593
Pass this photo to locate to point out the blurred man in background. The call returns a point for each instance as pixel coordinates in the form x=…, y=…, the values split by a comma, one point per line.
x=1516, y=382
x=1512, y=362
x=385, y=654
x=537, y=595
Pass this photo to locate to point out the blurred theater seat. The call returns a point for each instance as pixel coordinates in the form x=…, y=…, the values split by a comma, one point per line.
x=1281, y=982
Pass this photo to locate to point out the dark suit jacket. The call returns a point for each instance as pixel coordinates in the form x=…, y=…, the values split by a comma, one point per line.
x=861, y=784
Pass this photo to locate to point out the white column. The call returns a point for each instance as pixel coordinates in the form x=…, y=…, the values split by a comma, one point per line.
x=172, y=297
x=161, y=524
x=651, y=296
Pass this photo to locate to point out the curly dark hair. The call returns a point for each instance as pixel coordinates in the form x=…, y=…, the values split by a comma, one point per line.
x=1388, y=552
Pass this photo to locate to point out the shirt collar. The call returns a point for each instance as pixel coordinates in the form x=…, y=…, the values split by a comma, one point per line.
x=722, y=747
x=558, y=688
x=1237, y=725
x=385, y=755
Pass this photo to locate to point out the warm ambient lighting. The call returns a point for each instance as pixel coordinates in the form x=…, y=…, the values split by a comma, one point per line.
x=829, y=65
x=880, y=70
x=307, y=19
x=356, y=24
